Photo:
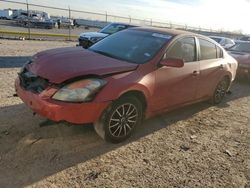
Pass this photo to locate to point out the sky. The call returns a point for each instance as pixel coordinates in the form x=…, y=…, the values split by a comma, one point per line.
x=228, y=15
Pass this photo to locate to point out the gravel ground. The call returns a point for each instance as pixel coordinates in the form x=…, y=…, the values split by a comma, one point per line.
x=197, y=146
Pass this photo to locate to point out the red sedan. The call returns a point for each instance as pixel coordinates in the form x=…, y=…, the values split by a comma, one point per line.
x=130, y=75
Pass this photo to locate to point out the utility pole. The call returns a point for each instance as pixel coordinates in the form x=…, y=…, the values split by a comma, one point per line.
x=69, y=24
x=28, y=13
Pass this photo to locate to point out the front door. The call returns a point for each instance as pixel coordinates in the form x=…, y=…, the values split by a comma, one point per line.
x=177, y=86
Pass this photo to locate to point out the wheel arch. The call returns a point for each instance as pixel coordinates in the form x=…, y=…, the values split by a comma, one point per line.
x=140, y=95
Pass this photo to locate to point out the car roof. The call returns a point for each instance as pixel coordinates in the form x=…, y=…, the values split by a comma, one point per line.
x=119, y=23
x=172, y=32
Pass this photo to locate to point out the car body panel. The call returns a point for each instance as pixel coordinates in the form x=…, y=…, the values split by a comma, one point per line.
x=175, y=86
x=63, y=66
x=243, y=58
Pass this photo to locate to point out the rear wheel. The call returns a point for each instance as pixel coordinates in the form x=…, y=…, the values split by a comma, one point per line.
x=220, y=91
x=120, y=119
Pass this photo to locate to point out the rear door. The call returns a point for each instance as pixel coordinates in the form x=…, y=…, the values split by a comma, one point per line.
x=177, y=86
x=211, y=66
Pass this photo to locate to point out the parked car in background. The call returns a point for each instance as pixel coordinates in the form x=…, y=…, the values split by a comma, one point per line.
x=244, y=38
x=223, y=41
x=132, y=74
x=241, y=52
x=89, y=38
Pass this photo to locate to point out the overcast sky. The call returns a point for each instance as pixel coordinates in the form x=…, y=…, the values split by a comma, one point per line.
x=215, y=14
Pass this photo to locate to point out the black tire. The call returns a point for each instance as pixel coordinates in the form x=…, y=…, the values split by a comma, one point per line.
x=119, y=120
x=220, y=91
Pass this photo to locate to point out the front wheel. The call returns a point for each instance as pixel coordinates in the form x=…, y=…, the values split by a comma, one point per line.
x=220, y=91
x=120, y=119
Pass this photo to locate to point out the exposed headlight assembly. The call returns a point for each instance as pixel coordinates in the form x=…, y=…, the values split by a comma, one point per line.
x=25, y=65
x=79, y=91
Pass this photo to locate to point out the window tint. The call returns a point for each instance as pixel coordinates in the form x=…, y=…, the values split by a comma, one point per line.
x=208, y=50
x=183, y=49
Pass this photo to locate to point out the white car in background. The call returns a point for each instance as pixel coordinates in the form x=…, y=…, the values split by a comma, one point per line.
x=223, y=41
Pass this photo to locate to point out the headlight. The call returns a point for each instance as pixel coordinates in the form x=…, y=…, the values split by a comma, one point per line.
x=95, y=39
x=79, y=91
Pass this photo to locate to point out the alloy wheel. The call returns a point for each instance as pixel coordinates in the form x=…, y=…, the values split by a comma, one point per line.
x=122, y=120
x=221, y=91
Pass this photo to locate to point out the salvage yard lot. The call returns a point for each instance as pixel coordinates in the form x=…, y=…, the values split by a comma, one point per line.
x=197, y=146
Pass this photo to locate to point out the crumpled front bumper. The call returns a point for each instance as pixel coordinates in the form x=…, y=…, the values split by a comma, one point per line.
x=77, y=113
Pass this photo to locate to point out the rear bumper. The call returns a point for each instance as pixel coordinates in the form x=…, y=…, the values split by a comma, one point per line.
x=77, y=113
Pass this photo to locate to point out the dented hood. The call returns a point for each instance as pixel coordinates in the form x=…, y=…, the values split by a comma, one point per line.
x=59, y=65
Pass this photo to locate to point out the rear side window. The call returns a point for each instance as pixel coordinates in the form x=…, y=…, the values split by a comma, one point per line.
x=208, y=50
x=183, y=49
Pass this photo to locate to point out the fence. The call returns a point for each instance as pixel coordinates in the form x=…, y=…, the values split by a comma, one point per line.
x=90, y=19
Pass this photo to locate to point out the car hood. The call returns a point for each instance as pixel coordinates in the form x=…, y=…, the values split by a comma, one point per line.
x=59, y=65
x=93, y=34
x=241, y=57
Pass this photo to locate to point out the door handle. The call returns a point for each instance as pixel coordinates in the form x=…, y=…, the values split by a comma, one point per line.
x=196, y=73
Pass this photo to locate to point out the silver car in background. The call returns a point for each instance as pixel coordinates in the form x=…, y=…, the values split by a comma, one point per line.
x=89, y=38
x=223, y=41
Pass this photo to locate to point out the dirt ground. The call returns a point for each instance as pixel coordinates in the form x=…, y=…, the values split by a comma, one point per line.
x=197, y=146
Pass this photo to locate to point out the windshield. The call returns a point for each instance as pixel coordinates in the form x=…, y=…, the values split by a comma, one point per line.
x=131, y=45
x=113, y=28
x=241, y=47
x=218, y=40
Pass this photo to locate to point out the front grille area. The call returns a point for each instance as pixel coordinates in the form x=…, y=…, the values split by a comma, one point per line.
x=83, y=39
x=84, y=42
x=32, y=82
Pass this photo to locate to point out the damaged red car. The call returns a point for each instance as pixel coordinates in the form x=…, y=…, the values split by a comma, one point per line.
x=126, y=77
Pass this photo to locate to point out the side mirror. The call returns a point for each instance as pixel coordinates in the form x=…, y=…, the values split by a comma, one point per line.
x=172, y=63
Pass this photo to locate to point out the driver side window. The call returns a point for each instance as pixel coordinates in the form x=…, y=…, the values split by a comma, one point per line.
x=184, y=49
